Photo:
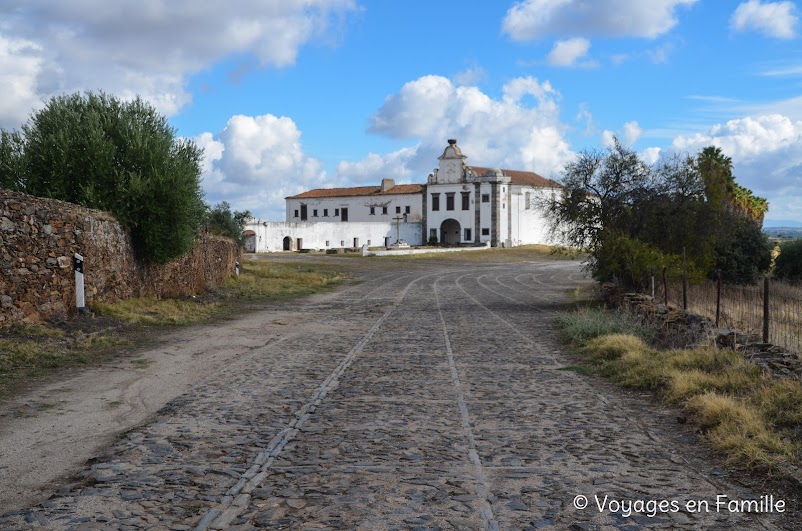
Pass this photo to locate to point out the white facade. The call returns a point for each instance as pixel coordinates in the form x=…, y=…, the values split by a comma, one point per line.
x=459, y=204
x=466, y=204
x=368, y=204
x=270, y=236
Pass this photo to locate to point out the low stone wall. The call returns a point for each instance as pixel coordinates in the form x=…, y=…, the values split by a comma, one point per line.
x=681, y=329
x=38, y=238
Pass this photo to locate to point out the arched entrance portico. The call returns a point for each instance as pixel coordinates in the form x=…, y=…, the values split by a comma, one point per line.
x=449, y=232
x=287, y=243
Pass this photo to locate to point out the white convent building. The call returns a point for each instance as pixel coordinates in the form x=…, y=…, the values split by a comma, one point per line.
x=459, y=204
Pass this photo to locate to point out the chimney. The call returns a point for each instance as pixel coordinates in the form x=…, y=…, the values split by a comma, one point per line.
x=387, y=184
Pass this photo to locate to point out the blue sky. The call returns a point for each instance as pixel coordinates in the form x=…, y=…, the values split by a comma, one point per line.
x=290, y=95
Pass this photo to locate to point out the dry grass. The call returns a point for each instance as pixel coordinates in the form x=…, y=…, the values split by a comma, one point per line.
x=34, y=350
x=261, y=279
x=755, y=419
x=258, y=279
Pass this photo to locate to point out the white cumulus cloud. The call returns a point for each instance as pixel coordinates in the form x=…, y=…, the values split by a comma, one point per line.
x=629, y=134
x=534, y=19
x=568, y=52
x=766, y=152
x=257, y=161
x=129, y=47
x=520, y=130
x=773, y=19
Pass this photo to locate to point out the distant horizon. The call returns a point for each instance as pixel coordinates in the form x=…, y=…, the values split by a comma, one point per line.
x=782, y=224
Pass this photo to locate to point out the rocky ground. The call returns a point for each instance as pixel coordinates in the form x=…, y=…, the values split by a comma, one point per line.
x=427, y=394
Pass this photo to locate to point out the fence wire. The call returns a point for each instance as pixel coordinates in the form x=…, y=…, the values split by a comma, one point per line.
x=741, y=307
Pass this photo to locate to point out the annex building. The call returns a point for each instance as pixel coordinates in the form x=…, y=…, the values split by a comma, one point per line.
x=459, y=204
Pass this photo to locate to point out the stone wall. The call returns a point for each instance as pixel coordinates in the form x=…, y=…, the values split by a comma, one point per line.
x=38, y=238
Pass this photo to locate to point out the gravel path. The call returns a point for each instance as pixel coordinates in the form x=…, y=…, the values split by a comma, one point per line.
x=428, y=396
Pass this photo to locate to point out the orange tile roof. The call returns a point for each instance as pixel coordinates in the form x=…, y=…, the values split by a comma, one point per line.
x=359, y=191
x=526, y=178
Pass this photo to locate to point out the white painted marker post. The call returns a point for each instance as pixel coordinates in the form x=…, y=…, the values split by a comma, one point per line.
x=237, y=268
x=78, y=266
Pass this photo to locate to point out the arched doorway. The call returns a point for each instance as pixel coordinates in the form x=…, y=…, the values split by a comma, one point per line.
x=287, y=243
x=449, y=232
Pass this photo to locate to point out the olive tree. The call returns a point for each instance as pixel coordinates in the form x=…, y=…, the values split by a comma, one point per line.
x=96, y=150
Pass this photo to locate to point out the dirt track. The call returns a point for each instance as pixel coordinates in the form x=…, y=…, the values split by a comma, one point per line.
x=429, y=395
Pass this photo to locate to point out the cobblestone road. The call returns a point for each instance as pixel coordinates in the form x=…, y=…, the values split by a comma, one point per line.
x=424, y=398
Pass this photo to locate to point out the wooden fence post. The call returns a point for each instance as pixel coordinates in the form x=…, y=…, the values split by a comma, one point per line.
x=718, y=297
x=684, y=282
x=665, y=288
x=766, y=310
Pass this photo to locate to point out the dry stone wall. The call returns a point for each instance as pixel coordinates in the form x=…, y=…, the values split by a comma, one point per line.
x=38, y=238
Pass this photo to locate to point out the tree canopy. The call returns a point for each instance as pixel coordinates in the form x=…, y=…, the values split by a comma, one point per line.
x=634, y=218
x=222, y=221
x=121, y=156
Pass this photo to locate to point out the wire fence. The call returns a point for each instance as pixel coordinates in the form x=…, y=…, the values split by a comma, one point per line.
x=772, y=310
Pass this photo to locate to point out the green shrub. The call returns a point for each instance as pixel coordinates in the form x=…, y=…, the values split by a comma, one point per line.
x=123, y=157
x=788, y=265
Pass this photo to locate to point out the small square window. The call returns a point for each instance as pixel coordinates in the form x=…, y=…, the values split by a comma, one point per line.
x=314, y=213
x=336, y=211
x=342, y=243
x=327, y=243
x=398, y=210
x=406, y=210
x=384, y=210
x=326, y=214
x=468, y=235
x=372, y=211
x=296, y=213
x=485, y=198
x=485, y=232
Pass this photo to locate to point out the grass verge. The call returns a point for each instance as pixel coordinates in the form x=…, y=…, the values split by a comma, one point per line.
x=35, y=350
x=258, y=280
x=753, y=418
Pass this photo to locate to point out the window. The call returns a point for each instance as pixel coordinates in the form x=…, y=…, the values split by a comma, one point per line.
x=450, y=201
x=372, y=211
x=303, y=214
x=485, y=198
x=527, y=201
x=485, y=232
x=435, y=203
x=384, y=210
x=296, y=212
x=432, y=234
x=326, y=214
x=466, y=200
x=406, y=210
x=336, y=212
x=327, y=241
x=368, y=242
x=342, y=243
x=468, y=235
x=398, y=210
x=314, y=213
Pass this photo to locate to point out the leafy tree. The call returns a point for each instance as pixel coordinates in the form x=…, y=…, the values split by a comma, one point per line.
x=744, y=254
x=123, y=157
x=632, y=217
x=788, y=265
x=222, y=221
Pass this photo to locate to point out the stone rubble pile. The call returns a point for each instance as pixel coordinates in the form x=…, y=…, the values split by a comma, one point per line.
x=679, y=328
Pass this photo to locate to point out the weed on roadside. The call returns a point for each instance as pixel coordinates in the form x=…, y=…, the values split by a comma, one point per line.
x=752, y=417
